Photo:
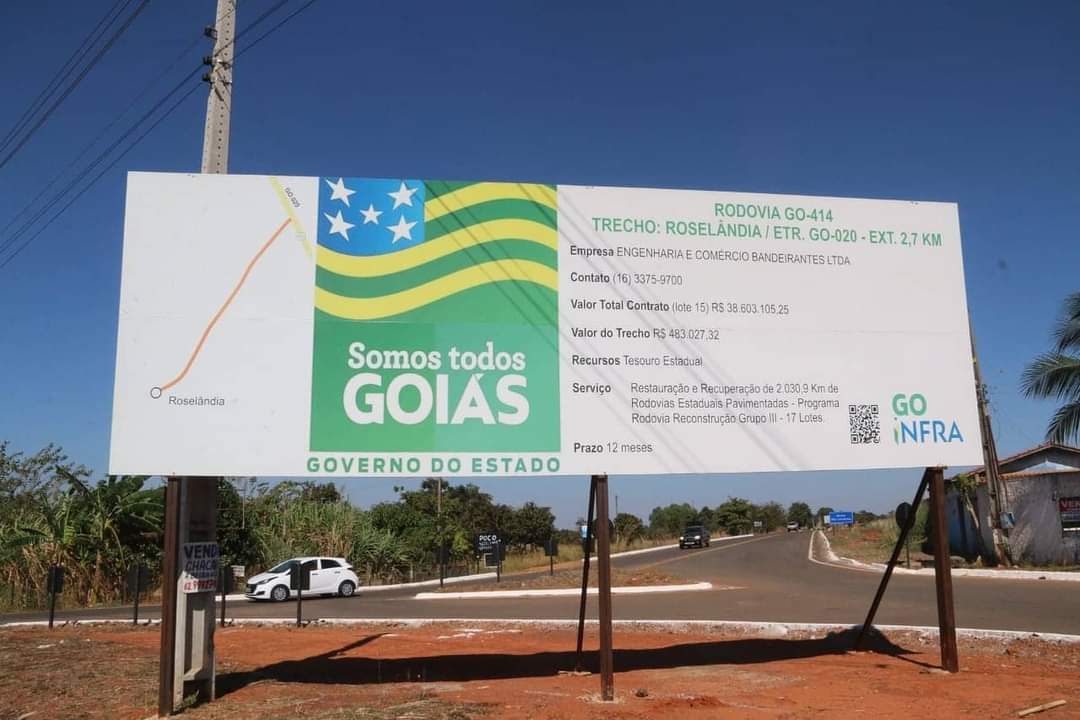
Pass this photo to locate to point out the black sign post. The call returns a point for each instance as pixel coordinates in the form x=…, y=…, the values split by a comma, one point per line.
x=228, y=582
x=299, y=580
x=442, y=567
x=902, y=512
x=136, y=582
x=488, y=544
x=54, y=585
x=551, y=549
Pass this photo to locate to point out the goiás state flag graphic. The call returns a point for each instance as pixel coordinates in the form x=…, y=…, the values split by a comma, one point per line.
x=436, y=317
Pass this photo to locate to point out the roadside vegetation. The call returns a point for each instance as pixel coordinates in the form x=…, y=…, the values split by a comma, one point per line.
x=53, y=513
x=1055, y=375
x=873, y=542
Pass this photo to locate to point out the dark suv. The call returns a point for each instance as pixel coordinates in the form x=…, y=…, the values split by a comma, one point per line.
x=694, y=536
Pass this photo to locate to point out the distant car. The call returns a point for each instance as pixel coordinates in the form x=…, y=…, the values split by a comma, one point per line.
x=793, y=527
x=329, y=576
x=694, y=536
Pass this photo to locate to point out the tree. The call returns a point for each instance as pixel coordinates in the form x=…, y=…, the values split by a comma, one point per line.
x=735, y=516
x=771, y=515
x=822, y=513
x=864, y=516
x=670, y=520
x=800, y=512
x=628, y=527
x=708, y=517
x=1055, y=375
x=236, y=538
x=320, y=492
x=531, y=525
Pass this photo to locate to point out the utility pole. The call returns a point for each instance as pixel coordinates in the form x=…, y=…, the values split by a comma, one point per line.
x=995, y=488
x=215, y=158
x=187, y=662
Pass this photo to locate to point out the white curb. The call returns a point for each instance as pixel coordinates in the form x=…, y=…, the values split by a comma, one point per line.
x=771, y=628
x=835, y=560
x=363, y=589
x=559, y=592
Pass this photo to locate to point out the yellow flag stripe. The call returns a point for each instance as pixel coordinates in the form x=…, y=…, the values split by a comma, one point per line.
x=397, y=303
x=472, y=236
x=482, y=192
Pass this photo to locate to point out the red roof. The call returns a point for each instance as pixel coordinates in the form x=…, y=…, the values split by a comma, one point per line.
x=1044, y=447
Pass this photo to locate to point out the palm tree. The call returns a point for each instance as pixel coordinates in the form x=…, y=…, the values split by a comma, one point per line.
x=1056, y=375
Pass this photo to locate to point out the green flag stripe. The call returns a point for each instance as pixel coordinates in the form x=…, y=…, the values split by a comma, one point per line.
x=435, y=188
x=490, y=210
x=504, y=302
x=396, y=282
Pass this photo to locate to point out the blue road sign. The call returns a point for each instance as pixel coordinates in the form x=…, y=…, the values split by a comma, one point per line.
x=841, y=518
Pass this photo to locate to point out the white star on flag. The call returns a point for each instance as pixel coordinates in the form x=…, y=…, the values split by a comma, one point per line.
x=371, y=215
x=403, y=196
x=339, y=225
x=402, y=231
x=338, y=191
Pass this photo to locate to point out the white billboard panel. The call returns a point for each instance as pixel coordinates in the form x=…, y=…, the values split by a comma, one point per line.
x=358, y=326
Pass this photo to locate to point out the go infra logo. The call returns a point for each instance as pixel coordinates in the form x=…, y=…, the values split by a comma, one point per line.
x=912, y=428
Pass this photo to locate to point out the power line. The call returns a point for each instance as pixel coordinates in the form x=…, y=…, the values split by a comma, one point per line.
x=102, y=133
x=75, y=83
x=61, y=74
x=97, y=177
x=251, y=26
x=43, y=210
x=275, y=28
x=28, y=224
x=113, y=146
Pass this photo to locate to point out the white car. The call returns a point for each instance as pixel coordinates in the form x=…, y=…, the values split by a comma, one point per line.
x=329, y=576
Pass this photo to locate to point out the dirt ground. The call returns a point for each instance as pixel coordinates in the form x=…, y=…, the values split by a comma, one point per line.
x=459, y=671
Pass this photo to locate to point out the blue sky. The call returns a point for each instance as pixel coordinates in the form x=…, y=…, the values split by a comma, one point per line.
x=975, y=103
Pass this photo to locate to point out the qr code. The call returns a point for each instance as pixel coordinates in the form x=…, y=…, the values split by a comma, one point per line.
x=865, y=424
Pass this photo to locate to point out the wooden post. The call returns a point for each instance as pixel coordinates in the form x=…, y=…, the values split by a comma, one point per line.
x=169, y=578
x=950, y=659
x=900, y=541
x=603, y=557
x=585, y=573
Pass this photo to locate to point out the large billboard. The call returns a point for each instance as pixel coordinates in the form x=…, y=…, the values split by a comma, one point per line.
x=355, y=326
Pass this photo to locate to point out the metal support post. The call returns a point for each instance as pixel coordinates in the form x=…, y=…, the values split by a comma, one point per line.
x=585, y=573
x=170, y=577
x=603, y=556
x=950, y=660
x=300, y=603
x=900, y=541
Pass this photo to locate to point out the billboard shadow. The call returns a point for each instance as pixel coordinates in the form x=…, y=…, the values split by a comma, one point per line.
x=337, y=667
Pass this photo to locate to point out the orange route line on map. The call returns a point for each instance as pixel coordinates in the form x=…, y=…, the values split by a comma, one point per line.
x=223, y=308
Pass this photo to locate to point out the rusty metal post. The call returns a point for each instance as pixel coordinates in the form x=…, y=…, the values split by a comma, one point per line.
x=950, y=659
x=585, y=574
x=900, y=542
x=169, y=578
x=603, y=557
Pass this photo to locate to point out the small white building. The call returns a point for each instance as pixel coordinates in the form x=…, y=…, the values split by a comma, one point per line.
x=1042, y=492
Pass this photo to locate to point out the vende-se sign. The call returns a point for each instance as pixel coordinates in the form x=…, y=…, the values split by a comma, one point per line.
x=1069, y=507
x=360, y=326
x=199, y=567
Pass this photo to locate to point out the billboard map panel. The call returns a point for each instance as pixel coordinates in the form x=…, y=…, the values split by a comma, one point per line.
x=356, y=326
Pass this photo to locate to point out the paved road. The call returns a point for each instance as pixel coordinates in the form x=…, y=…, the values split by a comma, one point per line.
x=767, y=578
